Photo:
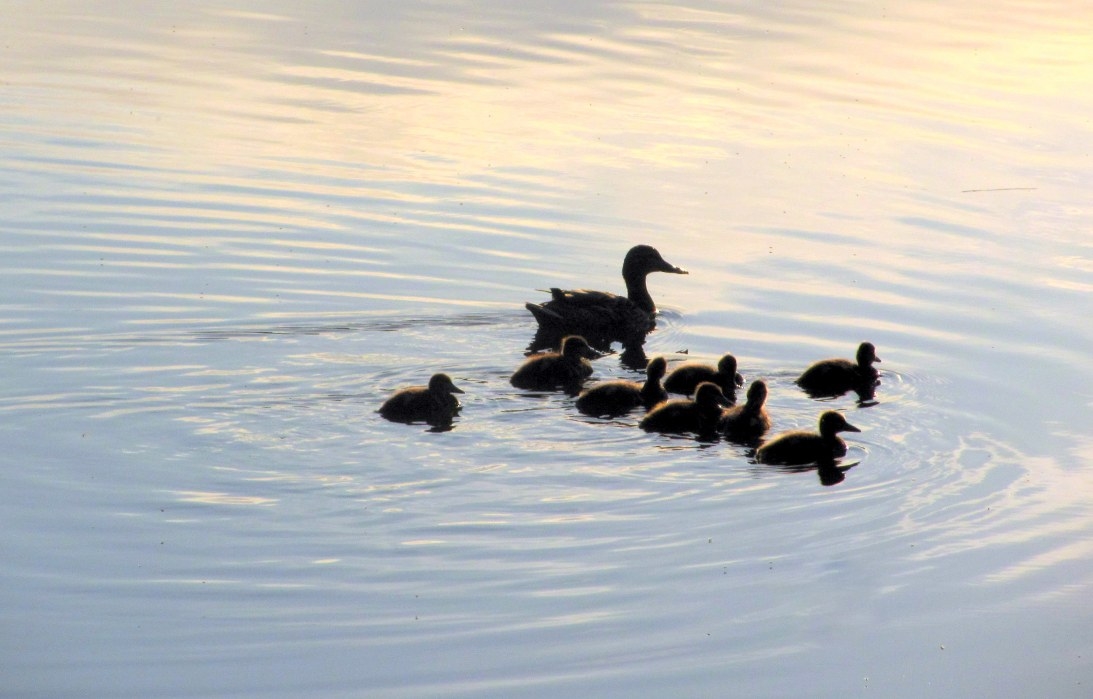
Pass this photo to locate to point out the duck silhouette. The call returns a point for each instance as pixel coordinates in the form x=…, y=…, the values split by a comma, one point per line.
x=600, y=316
x=685, y=415
x=612, y=398
x=686, y=377
x=566, y=368
x=746, y=423
x=834, y=377
x=803, y=447
x=433, y=404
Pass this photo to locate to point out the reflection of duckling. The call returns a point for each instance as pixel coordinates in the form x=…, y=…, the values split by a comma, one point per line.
x=686, y=377
x=565, y=369
x=619, y=397
x=685, y=415
x=803, y=447
x=833, y=377
x=602, y=316
x=433, y=404
x=747, y=422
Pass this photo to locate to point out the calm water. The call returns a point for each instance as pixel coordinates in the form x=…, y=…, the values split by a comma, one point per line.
x=229, y=232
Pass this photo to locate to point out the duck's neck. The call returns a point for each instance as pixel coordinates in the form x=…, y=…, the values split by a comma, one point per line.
x=638, y=292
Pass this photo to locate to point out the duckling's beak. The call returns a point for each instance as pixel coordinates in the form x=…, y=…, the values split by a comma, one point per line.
x=456, y=389
x=590, y=353
x=876, y=358
x=739, y=379
x=723, y=401
x=850, y=428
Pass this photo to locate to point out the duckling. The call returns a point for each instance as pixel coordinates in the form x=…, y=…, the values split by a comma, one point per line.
x=564, y=369
x=433, y=404
x=619, y=397
x=687, y=376
x=834, y=377
x=604, y=317
x=748, y=422
x=803, y=447
x=685, y=415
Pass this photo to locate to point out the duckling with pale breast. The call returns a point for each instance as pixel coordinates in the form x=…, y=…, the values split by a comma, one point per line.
x=564, y=369
x=433, y=404
x=602, y=316
x=834, y=377
x=803, y=447
x=748, y=422
x=686, y=377
x=612, y=398
x=685, y=415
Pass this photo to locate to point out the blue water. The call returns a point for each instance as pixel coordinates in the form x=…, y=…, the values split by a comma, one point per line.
x=229, y=232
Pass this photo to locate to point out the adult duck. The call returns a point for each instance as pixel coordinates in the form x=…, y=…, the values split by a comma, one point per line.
x=804, y=447
x=612, y=398
x=603, y=317
x=748, y=422
x=834, y=377
x=686, y=377
x=563, y=369
x=685, y=415
x=433, y=403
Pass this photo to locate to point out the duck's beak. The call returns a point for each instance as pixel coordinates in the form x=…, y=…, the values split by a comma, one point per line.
x=676, y=270
x=456, y=389
x=876, y=358
x=850, y=428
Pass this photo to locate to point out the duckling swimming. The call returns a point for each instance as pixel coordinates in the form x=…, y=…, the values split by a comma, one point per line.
x=685, y=415
x=748, y=422
x=619, y=397
x=803, y=447
x=564, y=369
x=834, y=377
x=603, y=317
x=686, y=377
x=433, y=404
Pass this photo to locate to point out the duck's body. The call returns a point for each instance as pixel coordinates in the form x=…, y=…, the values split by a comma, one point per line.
x=834, y=377
x=563, y=369
x=686, y=377
x=619, y=397
x=685, y=415
x=748, y=422
x=803, y=447
x=433, y=404
x=601, y=316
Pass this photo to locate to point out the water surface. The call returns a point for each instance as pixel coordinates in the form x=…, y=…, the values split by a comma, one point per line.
x=230, y=231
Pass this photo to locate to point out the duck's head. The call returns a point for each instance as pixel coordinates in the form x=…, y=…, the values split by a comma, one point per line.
x=867, y=354
x=726, y=366
x=656, y=368
x=832, y=422
x=442, y=383
x=577, y=346
x=757, y=393
x=644, y=259
x=708, y=394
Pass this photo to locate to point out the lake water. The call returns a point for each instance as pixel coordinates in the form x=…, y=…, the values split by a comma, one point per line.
x=229, y=231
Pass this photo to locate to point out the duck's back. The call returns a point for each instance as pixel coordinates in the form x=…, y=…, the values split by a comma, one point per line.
x=417, y=404
x=685, y=378
x=593, y=314
x=549, y=371
x=794, y=448
x=610, y=398
x=743, y=423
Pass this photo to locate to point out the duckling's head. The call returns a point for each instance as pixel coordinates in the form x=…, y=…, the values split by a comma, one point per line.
x=656, y=368
x=757, y=393
x=867, y=354
x=726, y=366
x=442, y=383
x=577, y=346
x=832, y=422
x=708, y=394
x=644, y=259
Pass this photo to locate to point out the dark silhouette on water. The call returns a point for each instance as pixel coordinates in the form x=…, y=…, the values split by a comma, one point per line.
x=600, y=316
x=834, y=377
x=745, y=424
x=565, y=369
x=613, y=398
x=802, y=447
x=686, y=377
x=433, y=404
x=685, y=415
